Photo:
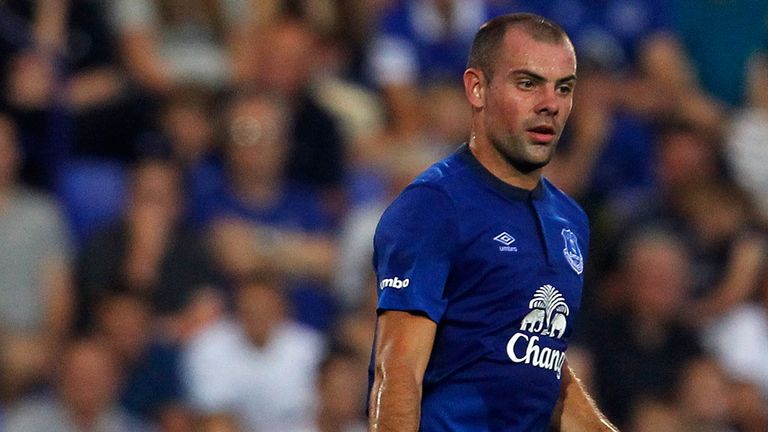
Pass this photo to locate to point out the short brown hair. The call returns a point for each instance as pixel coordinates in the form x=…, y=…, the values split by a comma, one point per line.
x=488, y=39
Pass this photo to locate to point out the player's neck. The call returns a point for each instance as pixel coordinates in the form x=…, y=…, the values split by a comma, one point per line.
x=495, y=163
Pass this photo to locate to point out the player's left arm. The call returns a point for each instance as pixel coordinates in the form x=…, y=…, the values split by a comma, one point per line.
x=575, y=410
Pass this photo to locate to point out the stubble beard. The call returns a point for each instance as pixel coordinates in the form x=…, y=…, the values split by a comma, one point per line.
x=512, y=150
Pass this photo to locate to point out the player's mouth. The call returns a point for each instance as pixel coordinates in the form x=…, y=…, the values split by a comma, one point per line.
x=542, y=133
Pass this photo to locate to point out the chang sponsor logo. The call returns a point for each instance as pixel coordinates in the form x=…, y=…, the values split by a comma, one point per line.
x=525, y=349
x=547, y=317
x=395, y=283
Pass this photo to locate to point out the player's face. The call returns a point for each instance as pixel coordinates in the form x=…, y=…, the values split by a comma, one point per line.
x=528, y=99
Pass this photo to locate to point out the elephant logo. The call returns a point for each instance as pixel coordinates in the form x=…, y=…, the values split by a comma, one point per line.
x=534, y=321
x=548, y=313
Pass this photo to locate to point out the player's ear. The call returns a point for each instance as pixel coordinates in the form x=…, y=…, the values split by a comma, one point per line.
x=474, y=87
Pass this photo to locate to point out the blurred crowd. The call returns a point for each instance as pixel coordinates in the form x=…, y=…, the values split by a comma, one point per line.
x=189, y=189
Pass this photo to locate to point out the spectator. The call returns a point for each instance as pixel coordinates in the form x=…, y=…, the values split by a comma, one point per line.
x=356, y=24
x=341, y=392
x=186, y=125
x=717, y=219
x=254, y=184
x=704, y=400
x=148, y=362
x=187, y=133
x=399, y=166
x=731, y=249
x=168, y=42
x=64, y=88
x=317, y=151
x=237, y=251
x=746, y=134
x=355, y=326
x=640, y=346
x=747, y=154
x=684, y=157
x=632, y=71
x=255, y=370
x=149, y=251
x=284, y=220
x=750, y=414
x=36, y=297
x=417, y=42
x=739, y=340
x=655, y=415
x=447, y=117
x=357, y=109
x=703, y=397
x=85, y=398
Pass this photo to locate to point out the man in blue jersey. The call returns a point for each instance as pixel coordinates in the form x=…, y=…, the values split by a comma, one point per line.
x=480, y=260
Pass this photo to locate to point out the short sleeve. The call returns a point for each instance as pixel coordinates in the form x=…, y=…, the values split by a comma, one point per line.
x=413, y=245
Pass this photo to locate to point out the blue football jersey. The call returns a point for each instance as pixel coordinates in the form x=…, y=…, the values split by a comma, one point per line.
x=500, y=270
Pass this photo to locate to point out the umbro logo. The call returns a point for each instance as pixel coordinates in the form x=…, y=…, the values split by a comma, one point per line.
x=506, y=239
x=395, y=283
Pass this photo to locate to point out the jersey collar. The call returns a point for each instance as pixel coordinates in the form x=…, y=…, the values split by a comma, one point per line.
x=506, y=189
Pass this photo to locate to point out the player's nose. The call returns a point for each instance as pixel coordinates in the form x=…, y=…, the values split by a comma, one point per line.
x=547, y=103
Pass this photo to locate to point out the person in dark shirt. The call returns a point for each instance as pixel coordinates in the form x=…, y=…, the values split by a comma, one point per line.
x=641, y=344
x=149, y=251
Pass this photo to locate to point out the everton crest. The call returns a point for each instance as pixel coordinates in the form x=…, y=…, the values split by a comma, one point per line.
x=572, y=252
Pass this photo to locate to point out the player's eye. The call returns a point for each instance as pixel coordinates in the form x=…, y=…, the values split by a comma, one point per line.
x=565, y=89
x=526, y=84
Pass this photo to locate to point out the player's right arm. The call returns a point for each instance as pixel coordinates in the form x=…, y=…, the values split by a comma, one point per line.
x=413, y=246
x=403, y=346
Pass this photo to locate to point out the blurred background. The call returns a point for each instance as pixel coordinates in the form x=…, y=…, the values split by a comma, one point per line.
x=189, y=188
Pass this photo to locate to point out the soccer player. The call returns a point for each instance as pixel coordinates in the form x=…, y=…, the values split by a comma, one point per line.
x=480, y=260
